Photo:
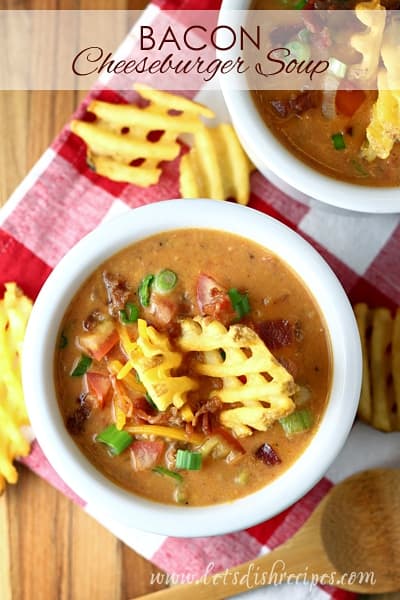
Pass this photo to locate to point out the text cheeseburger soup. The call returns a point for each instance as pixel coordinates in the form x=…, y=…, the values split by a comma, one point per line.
x=192, y=367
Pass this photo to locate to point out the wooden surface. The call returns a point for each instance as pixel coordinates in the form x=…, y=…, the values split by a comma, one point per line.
x=49, y=548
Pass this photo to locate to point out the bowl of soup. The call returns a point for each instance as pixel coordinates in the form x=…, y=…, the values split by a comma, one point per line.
x=312, y=143
x=192, y=367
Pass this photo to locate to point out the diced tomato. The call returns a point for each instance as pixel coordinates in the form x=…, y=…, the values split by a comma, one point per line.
x=348, y=101
x=146, y=454
x=230, y=439
x=99, y=386
x=213, y=299
x=99, y=342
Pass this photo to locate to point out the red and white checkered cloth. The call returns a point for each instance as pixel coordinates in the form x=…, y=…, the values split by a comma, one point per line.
x=61, y=200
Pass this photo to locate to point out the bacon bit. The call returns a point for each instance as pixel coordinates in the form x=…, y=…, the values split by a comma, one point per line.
x=297, y=105
x=117, y=292
x=76, y=421
x=205, y=423
x=213, y=299
x=268, y=455
x=277, y=333
x=210, y=406
x=92, y=320
x=162, y=311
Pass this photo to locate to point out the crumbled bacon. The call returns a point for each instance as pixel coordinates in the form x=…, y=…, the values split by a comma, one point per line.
x=76, y=420
x=210, y=406
x=92, y=320
x=117, y=292
x=277, y=333
x=297, y=105
x=267, y=454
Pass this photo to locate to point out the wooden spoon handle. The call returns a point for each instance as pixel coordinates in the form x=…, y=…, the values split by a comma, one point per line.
x=271, y=569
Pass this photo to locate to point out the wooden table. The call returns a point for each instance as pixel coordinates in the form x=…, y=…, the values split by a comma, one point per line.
x=49, y=548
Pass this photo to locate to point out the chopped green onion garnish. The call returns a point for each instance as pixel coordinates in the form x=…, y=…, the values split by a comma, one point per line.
x=82, y=366
x=300, y=4
x=63, y=341
x=117, y=440
x=150, y=400
x=165, y=281
x=337, y=67
x=338, y=141
x=297, y=422
x=304, y=35
x=299, y=50
x=129, y=314
x=240, y=302
x=185, y=459
x=168, y=473
x=145, y=290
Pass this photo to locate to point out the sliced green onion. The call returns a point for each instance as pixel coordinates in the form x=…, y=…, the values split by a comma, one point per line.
x=299, y=50
x=145, y=290
x=165, y=281
x=242, y=478
x=168, y=473
x=82, y=366
x=185, y=459
x=240, y=302
x=300, y=4
x=338, y=141
x=359, y=168
x=63, y=341
x=150, y=400
x=117, y=440
x=304, y=35
x=337, y=67
x=129, y=314
x=297, y=422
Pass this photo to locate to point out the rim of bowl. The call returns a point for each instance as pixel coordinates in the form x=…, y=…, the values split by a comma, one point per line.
x=40, y=342
x=267, y=152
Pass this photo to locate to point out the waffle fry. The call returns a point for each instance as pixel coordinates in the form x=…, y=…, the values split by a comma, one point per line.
x=15, y=309
x=216, y=166
x=373, y=15
x=243, y=355
x=120, y=135
x=153, y=359
x=380, y=393
x=384, y=128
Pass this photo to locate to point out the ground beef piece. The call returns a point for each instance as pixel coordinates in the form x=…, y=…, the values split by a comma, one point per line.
x=76, y=421
x=117, y=292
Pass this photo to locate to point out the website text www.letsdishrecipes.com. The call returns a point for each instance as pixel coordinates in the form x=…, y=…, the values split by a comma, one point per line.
x=255, y=577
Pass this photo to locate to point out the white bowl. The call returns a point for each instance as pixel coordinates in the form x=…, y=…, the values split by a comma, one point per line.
x=40, y=344
x=279, y=165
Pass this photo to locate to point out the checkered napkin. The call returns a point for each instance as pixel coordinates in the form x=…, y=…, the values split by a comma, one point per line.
x=61, y=200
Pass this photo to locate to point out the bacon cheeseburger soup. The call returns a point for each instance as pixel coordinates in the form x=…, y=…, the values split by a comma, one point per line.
x=192, y=367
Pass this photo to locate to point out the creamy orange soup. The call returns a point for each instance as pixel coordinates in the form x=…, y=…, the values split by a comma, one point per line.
x=327, y=130
x=219, y=463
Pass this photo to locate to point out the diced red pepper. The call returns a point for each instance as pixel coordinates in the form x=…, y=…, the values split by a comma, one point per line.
x=146, y=454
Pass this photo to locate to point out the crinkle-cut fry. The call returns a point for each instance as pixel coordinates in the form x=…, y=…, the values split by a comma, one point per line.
x=151, y=118
x=173, y=102
x=380, y=393
x=117, y=171
x=15, y=309
x=396, y=365
x=122, y=147
x=153, y=359
x=362, y=315
x=373, y=15
x=216, y=166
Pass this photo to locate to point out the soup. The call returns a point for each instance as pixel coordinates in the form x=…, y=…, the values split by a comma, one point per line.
x=327, y=129
x=192, y=367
